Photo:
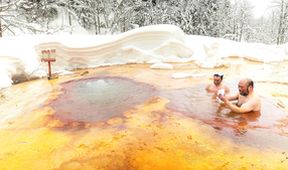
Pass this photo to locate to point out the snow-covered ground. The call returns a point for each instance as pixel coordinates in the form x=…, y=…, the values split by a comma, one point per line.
x=157, y=45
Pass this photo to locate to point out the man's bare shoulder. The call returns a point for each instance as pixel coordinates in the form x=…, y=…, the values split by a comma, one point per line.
x=256, y=98
x=255, y=102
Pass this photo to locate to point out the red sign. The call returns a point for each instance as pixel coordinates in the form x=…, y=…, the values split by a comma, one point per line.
x=48, y=55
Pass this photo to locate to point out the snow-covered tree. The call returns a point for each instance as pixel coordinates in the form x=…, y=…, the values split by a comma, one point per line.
x=241, y=20
x=11, y=21
x=92, y=14
x=281, y=9
x=38, y=12
x=206, y=17
x=231, y=19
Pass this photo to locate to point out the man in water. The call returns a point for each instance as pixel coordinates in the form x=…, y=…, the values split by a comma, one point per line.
x=247, y=100
x=217, y=84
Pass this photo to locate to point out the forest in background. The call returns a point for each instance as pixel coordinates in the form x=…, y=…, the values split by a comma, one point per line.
x=228, y=19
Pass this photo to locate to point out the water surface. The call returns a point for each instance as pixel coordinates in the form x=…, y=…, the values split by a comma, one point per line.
x=251, y=129
x=99, y=99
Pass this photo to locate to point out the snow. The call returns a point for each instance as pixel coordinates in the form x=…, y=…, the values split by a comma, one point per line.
x=162, y=66
x=157, y=45
x=182, y=75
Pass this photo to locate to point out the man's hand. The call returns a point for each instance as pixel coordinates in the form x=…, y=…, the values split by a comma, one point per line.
x=223, y=98
x=244, y=108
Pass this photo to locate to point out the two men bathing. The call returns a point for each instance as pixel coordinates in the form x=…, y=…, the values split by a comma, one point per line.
x=246, y=99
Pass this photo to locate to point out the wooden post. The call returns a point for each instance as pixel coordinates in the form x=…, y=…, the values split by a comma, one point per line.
x=49, y=70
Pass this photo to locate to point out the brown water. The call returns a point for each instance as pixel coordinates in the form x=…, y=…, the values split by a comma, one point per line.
x=102, y=98
x=257, y=129
x=167, y=123
x=99, y=99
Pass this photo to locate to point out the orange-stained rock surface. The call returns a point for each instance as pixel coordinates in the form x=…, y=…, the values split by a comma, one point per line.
x=170, y=124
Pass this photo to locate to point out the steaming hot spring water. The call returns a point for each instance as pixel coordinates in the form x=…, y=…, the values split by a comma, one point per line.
x=142, y=116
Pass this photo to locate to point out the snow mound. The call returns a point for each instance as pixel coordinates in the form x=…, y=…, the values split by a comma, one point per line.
x=157, y=44
x=161, y=66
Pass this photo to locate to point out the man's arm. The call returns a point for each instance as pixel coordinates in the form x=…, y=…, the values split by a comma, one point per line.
x=243, y=109
x=246, y=107
x=230, y=97
x=208, y=87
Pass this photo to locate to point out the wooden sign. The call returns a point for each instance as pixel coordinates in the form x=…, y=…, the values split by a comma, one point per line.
x=48, y=56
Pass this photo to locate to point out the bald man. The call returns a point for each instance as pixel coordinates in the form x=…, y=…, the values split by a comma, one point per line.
x=247, y=100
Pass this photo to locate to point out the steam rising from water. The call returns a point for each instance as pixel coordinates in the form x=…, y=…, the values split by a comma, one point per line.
x=99, y=99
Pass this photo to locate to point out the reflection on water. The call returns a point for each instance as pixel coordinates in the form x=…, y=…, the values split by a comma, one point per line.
x=196, y=103
x=156, y=134
x=99, y=99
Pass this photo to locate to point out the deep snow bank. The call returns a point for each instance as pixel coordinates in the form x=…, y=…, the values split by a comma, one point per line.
x=158, y=44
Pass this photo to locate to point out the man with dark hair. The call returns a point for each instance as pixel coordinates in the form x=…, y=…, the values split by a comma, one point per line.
x=217, y=84
x=247, y=100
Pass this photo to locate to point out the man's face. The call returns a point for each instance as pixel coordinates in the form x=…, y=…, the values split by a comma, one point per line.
x=243, y=89
x=217, y=80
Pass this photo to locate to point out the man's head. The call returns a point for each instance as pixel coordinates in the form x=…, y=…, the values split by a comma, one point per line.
x=217, y=79
x=245, y=86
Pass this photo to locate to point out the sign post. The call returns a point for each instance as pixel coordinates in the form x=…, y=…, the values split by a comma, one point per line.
x=48, y=56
